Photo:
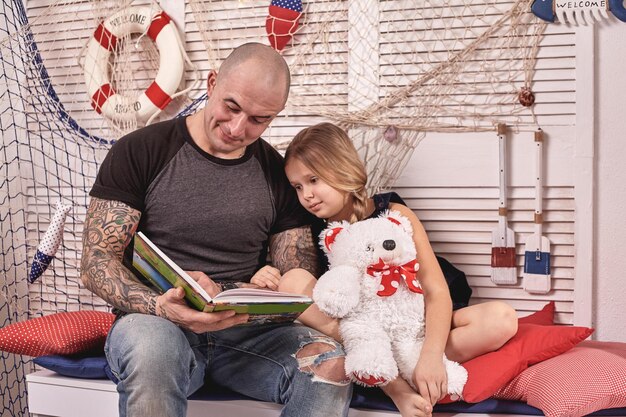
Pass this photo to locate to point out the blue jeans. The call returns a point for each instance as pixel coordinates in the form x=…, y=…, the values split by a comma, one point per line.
x=159, y=365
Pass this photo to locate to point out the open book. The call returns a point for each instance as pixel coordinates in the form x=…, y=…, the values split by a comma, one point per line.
x=263, y=305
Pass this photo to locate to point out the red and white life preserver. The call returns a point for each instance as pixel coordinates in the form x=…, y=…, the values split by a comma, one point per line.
x=158, y=26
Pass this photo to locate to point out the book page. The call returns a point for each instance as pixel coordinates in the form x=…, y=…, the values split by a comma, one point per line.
x=259, y=295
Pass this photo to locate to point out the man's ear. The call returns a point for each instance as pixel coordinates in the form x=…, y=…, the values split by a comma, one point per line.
x=211, y=81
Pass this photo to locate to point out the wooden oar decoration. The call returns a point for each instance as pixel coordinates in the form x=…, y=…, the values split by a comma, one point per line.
x=503, y=265
x=537, y=250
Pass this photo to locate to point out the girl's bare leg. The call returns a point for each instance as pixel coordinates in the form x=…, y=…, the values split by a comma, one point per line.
x=479, y=329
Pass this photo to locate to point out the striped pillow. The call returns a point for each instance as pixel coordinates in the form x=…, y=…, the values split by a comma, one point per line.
x=587, y=378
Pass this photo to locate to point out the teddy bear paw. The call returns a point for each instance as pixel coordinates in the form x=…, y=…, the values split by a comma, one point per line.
x=369, y=380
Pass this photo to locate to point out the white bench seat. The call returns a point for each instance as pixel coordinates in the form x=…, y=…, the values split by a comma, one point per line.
x=53, y=395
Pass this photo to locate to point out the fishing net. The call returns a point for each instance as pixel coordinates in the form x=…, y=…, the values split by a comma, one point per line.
x=389, y=71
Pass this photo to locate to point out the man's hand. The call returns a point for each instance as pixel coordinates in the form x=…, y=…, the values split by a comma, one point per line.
x=172, y=306
x=205, y=282
x=266, y=277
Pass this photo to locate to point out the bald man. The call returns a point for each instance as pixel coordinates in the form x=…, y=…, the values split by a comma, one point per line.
x=213, y=196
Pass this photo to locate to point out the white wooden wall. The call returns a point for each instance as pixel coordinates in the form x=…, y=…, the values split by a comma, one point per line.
x=452, y=179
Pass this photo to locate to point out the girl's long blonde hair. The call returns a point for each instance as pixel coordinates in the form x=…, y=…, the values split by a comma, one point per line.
x=329, y=153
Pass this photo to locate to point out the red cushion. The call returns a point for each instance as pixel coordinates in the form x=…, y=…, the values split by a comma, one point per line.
x=57, y=334
x=590, y=377
x=544, y=317
x=532, y=344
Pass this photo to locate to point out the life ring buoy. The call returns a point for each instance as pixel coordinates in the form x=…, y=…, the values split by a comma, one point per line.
x=159, y=27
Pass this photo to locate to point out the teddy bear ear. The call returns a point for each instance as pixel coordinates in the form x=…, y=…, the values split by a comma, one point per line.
x=399, y=219
x=330, y=235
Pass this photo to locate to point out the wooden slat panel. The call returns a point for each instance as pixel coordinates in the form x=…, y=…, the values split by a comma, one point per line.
x=459, y=222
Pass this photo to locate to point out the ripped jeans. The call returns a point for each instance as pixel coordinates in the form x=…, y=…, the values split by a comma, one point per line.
x=159, y=365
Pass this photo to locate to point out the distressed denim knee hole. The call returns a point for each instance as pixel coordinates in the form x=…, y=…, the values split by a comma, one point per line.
x=322, y=358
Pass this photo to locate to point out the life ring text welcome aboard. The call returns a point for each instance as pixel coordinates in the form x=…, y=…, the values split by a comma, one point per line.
x=158, y=26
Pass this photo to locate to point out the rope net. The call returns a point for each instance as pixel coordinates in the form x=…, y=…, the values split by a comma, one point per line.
x=387, y=71
x=440, y=66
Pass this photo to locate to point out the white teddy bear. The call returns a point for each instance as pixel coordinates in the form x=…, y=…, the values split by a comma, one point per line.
x=372, y=286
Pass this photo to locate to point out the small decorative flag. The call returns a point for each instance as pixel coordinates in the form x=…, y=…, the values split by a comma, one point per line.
x=282, y=21
x=50, y=243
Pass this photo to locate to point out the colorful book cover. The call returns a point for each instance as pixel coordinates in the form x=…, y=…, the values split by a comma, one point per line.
x=263, y=305
x=156, y=267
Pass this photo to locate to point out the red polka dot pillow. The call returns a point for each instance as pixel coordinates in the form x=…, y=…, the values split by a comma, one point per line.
x=587, y=378
x=57, y=334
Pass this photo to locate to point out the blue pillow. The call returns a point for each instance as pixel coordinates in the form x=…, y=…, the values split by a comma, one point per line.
x=92, y=367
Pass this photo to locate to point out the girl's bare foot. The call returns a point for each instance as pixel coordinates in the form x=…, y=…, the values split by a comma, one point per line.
x=409, y=402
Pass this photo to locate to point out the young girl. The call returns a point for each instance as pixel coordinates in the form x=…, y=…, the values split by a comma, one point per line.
x=329, y=177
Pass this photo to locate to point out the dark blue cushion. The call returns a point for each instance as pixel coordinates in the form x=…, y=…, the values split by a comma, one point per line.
x=376, y=399
x=92, y=367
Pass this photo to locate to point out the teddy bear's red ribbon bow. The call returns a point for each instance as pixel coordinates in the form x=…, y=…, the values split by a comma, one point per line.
x=391, y=275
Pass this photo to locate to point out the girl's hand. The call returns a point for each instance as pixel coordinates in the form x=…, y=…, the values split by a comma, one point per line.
x=430, y=377
x=266, y=277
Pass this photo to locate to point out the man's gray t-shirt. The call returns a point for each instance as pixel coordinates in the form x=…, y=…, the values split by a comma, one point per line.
x=206, y=213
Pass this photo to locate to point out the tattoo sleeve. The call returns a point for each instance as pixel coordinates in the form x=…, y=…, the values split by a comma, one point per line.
x=294, y=248
x=109, y=228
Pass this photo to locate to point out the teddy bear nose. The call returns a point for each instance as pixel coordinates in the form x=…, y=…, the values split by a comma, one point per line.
x=389, y=245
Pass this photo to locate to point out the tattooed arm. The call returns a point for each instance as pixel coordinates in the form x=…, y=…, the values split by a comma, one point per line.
x=294, y=248
x=109, y=228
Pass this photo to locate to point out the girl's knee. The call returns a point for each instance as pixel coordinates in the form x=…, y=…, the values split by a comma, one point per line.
x=502, y=320
x=297, y=281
